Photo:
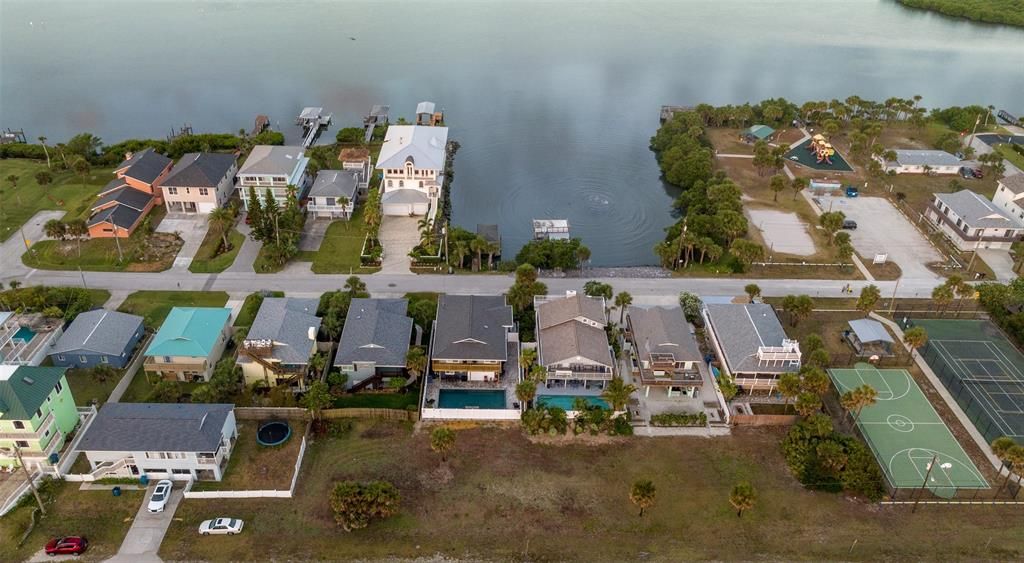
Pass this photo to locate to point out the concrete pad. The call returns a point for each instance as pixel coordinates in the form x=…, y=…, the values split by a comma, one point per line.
x=783, y=232
x=12, y=248
x=1000, y=262
x=191, y=229
x=249, y=251
x=398, y=235
x=147, y=532
x=313, y=234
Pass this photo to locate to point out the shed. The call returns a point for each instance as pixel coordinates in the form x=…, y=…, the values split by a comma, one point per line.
x=757, y=132
x=869, y=338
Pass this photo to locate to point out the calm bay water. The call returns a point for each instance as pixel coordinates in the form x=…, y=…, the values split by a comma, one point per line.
x=553, y=102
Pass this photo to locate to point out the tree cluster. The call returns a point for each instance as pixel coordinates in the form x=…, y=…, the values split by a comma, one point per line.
x=276, y=227
x=70, y=300
x=554, y=254
x=357, y=504
x=824, y=459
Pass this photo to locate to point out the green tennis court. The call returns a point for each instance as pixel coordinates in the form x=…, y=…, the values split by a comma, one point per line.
x=907, y=435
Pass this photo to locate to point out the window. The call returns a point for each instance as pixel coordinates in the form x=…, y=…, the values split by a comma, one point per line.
x=167, y=359
x=204, y=191
x=105, y=359
x=22, y=444
x=58, y=388
x=172, y=191
x=401, y=183
x=181, y=471
x=39, y=412
x=330, y=201
x=19, y=425
x=421, y=183
x=83, y=359
x=391, y=183
x=60, y=357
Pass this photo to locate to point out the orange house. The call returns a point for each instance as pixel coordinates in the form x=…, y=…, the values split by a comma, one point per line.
x=123, y=203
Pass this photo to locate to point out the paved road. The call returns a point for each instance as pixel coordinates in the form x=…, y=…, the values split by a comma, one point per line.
x=147, y=532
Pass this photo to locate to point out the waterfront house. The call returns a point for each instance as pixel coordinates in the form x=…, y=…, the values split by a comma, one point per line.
x=1009, y=196
x=37, y=411
x=357, y=158
x=200, y=182
x=550, y=229
x=334, y=194
x=666, y=356
x=374, y=342
x=470, y=338
x=189, y=343
x=914, y=161
x=280, y=342
x=144, y=171
x=98, y=337
x=26, y=338
x=178, y=441
x=572, y=344
x=125, y=201
x=970, y=221
x=273, y=168
x=868, y=337
x=412, y=162
x=756, y=133
x=750, y=344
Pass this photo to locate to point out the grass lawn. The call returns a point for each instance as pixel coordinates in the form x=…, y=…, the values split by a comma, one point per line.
x=155, y=305
x=339, y=253
x=262, y=266
x=97, y=515
x=140, y=387
x=206, y=261
x=377, y=401
x=502, y=497
x=1009, y=154
x=251, y=307
x=256, y=467
x=85, y=388
x=66, y=193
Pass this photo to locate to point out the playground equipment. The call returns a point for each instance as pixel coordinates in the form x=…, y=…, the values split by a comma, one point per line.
x=821, y=148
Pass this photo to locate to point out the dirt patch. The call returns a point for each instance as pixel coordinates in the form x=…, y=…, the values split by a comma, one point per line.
x=783, y=232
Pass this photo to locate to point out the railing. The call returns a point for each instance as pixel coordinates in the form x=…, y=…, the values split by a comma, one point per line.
x=337, y=207
x=51, y=448
x=27, y=434
x=152, y=364
x=974, y=238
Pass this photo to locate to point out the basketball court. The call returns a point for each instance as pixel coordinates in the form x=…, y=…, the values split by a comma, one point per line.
x=909, y=439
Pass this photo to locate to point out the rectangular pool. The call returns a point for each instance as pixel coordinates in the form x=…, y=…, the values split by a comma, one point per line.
x=565, y=402
x=471, y=399
x=25, y=333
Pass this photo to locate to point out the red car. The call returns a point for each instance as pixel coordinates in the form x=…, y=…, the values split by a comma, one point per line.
x=70, y=545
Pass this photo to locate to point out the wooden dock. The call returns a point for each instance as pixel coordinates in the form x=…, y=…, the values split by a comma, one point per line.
x=667, y=112
x=312, y=120
x=185, y=131
x=261, y=124
x=378, y=116
x=9, y=136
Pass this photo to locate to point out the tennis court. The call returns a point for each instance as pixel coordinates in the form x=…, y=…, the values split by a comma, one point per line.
x=982, y=370
x=907, y=435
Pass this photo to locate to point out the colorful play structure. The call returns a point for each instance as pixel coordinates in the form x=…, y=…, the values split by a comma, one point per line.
x=821, y=148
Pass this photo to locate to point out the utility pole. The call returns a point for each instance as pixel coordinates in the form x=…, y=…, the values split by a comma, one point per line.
x=892, y=302
x=81, y=273
x=117, y=241
x=24, y=239
x=28, y=477
x=924, y=484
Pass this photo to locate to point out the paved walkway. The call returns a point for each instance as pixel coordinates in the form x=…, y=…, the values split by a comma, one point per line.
x=147, y=532
x=398, y=235
x=191, y=228
x=247, y=254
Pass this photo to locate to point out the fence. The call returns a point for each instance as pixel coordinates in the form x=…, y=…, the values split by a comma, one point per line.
x=930, y=312
x=471, y=414
x=189, y=493
x=765, y=419
x=387, y=414
x=263, y=413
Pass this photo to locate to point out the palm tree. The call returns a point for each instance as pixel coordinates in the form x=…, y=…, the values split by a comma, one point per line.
x=442, y=441
x=13, y=180
x=752, y=290
x=355, y=286
x=582, y=255
x=478, y=245
x=78, y=229
x=789, y=386
x=538, y=373
x=55, y=229
x=1001, y=448
x=808, y=404
x=742, y=497
x=42, y=141
x=81, y=167
x=942, y=296
x=415, y=361
x=526, y=358
x=869, y=297
x=1016, y=459
x=221, y=219
x=491, y=249
x=525, y=391
x=856, y=399
x=915, y=337
x=642, y=494
x=459, y=251
x=617, y=393
x=44, y=178
x=622, y=301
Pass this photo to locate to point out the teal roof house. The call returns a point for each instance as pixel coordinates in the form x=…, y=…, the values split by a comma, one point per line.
x=37, y=411
x=189, y=343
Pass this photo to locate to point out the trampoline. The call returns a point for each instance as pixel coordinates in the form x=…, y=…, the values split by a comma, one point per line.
x=273, y=433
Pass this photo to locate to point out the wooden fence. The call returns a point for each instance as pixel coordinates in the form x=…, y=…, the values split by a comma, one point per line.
x=765, y=419
x=387, y=414
x=264, y=413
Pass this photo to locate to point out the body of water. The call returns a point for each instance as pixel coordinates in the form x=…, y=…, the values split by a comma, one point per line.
x=553, y=102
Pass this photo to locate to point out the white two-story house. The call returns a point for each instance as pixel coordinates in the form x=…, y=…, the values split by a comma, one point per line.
x=273, y=168
x=334, y=194
x=970, y=221
x=412, y=163
x=1009, y=196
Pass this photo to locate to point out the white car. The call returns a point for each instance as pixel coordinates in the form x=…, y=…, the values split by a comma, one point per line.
x=161, y=494
x=229, y=526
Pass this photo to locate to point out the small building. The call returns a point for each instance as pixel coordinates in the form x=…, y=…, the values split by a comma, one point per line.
x=178, y=441
x=750, y=344
x=280, y=342
x=412, y=162
x=334, y=194
x=37, y=411
x=572, y=344
x=427, y=114
x=357, y=158
x=756, y=133
x=125, y=201
x=98, y=337
x=868, y=338
x=914, y=161
x=189, y=343
x=200, y=182
x=1009, y=196
x=667, y=356
x=273, y=168
x=470, y=337
x=551, y=229
x=970, y=221
x=374, y=342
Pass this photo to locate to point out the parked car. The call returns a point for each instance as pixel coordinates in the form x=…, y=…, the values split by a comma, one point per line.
x=849, y=224
x=229, y=526
x=978, y=173
x=67, y=545
x=161, y=494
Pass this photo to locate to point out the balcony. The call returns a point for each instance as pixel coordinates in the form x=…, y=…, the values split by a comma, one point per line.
x=155, y=363
x=27, y=434
x=55, y=442
x=947, y=221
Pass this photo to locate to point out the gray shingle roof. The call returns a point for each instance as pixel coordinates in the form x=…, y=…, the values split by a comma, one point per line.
x=741, y=329
x=868, y=330
x=145, y=165
x=663, y=330
x=286, y=321
x=1014, y=183
x=101, y=331
x=376, y=330
x=200, y=170
x=915, y=157
x=121, y=215
x=561, y=337
x=335, y=183
x=424, y=145
x=125, y=195
x=156, y=427
x=267, y=159
x=23, y=389
x=977, y=211
x=471, y=327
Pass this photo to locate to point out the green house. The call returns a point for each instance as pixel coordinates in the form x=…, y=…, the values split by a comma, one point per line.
x=756, y=133
x=37, y=412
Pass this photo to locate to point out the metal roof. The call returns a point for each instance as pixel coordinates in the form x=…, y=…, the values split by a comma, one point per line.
x=101, y=331
x=977, y=211
x=425, y=107
x=916, y=157
x=741, y=329
x=424, y=146
x=156, y=427
x=23, y=389
x=869, y=330
x=376, y=330
x=190, y=331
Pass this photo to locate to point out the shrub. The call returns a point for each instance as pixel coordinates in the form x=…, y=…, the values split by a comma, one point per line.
x=355, y=505
x=350, y=135
x=679, y=419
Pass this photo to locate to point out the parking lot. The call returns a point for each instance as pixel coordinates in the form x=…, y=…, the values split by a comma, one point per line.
x=881, y=229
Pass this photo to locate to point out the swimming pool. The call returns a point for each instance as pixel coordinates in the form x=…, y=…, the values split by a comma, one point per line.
x=25, y=333
x=565, y=402
x=471, y=399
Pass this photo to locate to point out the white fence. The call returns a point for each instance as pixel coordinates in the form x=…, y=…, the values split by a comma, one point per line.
x=189, y=493
x=470, y=414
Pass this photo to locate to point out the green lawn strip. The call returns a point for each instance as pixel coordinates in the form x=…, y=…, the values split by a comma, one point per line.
x=343, y=241
x=1009, y=154
x=98, y=255
x=262, y=266
x=66, y=193
x=400, y=401
x=85, y=387
x=155, y=305
x=141, y=386
x=251, y=306
x=97, y=515
x=207, y=262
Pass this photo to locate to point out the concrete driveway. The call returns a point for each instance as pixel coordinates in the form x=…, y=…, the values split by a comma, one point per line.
x=881, y=229
x=313, y=234
x=12, y=248
x=1000, y=262
x=191, y=228
x=147, y=531
x=398, y=235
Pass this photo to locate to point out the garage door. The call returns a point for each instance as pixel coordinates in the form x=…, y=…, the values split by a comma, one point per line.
x=403, y=209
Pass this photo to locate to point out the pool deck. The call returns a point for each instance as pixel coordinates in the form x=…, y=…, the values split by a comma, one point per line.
x=508, y=382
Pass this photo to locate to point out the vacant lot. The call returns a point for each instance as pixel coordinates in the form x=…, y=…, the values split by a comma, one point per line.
x=339, y=252
x=154, y=306
x=503, y=497
x=208, y=261
x=256, y=467
x=68, y=192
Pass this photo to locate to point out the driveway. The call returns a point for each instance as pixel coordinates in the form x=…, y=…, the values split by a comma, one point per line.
x=398, y=235
x=1000, y=262
x=191, y=228
x=313, y=234
x=147, y=531
x=881, y=229
x=12, y=248
x=249, y=251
